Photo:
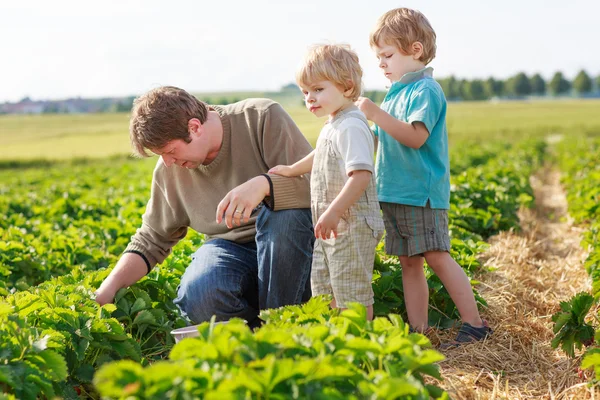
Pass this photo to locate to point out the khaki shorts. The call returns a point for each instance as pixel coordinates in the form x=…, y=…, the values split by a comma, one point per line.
x=343, y=267
x=411, y=230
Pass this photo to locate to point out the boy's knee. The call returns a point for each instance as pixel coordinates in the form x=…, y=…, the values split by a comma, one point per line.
x=412, y=262
x=437, y=258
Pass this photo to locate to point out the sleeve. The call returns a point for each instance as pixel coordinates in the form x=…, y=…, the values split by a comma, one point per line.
x=284, y=144
x=426, y=107
x=162, y=227
x=356, y=147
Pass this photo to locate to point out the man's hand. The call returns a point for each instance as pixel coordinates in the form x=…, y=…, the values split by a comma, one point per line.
x=367, y=107
x=327, y=225
x=103, y=296
x=283, y=170
x=238, y=204
x=130, y=268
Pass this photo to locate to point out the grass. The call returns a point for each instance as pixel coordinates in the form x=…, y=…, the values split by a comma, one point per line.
x=65, y=136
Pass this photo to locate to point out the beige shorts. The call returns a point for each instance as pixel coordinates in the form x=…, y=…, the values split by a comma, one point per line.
x=411, y=230
x=343, y=267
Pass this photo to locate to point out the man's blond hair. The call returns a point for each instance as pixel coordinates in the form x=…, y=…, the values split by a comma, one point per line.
x=336, y=63
x=402, y=27
x=162, y=115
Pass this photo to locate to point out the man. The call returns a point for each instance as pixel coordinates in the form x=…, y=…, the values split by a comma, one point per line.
x=212, y=177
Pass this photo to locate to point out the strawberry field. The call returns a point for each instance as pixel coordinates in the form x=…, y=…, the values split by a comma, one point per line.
x=65, y=223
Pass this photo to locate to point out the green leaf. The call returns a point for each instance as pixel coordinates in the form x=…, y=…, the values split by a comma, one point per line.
x=144, y=317
x=55, y=367
x=138, y=305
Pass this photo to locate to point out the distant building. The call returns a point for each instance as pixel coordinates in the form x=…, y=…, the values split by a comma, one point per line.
x=76, y=105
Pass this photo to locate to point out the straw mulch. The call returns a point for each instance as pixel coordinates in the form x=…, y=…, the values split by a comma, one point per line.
x=535, y=269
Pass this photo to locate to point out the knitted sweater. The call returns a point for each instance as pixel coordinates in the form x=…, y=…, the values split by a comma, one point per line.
x=257, y=135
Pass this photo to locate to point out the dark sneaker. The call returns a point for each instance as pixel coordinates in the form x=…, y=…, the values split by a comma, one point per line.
x=469, y=334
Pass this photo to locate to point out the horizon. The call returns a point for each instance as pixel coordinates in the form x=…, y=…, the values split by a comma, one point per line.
x=65, y=50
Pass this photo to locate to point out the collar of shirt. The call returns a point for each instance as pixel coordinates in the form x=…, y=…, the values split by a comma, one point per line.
x=347, y=110
x=411, y=77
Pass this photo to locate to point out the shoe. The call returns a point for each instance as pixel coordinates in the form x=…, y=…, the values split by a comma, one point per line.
x=469, y=334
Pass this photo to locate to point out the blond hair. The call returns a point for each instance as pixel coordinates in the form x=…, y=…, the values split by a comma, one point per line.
x=162, y=115
x=402, y=27
x=336, y=63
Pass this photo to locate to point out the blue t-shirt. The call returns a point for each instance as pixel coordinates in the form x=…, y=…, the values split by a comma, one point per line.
x=414, y=176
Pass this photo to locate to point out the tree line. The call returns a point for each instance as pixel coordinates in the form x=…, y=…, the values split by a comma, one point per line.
x=517, y=86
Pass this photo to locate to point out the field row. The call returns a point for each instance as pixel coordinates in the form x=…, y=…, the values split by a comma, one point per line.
x=575, y=326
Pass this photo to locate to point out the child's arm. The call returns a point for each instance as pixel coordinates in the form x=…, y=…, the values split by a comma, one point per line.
x=301, y=167
x=411, y=135
x=355, y=186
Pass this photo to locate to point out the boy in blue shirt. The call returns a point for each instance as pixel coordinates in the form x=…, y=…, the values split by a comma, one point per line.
x=412, y=168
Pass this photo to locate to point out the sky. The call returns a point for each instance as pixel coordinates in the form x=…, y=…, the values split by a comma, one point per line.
x=63, y=48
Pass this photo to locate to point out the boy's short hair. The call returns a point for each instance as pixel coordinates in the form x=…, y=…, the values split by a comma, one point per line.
x=336, y=63
x=162, y=115
x=402, y=27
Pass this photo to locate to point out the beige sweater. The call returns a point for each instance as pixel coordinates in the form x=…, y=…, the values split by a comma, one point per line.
x=257, y=135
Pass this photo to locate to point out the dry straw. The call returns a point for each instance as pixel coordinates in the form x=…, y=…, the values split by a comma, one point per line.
x=535, y=269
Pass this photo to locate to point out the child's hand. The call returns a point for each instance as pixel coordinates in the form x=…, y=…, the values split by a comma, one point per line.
x=327, y=225
x=367, y=107
x=283, y=170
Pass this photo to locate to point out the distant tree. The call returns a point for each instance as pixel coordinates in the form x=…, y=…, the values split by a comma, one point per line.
x=598, y=82
x=493, y=87
x=290, y=86
x=558, y=84
x=582, y=83
x=223, y=101
x=538, y=85
x=477, y=90
x=464, y=89
x=520, y=85
x=125, y=105
x=451, y=87
x=51, y=108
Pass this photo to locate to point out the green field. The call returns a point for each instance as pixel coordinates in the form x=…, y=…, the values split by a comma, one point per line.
x=66, y=136
x=65, y=224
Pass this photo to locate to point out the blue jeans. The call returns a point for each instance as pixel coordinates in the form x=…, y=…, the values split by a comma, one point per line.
x=229, y=279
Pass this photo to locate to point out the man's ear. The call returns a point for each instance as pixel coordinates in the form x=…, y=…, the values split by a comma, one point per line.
x=194, y=126
x=417, y=50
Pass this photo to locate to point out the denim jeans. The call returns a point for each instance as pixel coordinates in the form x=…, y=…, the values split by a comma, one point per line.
x=229, y=279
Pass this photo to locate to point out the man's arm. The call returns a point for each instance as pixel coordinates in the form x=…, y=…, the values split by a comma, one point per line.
x=283, y=144
x=164, y=224
x=411, y=135
x=238, y=205
x=130, y=268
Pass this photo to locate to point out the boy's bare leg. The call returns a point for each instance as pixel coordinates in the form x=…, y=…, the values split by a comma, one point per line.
x=416, y=291
x=457, y=284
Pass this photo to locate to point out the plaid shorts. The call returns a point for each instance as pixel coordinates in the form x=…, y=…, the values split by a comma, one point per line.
x=343, y=266
x=411, y=230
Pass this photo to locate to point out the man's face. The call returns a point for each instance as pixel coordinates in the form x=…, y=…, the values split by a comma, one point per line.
x=187, y=155
x=394, y=63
